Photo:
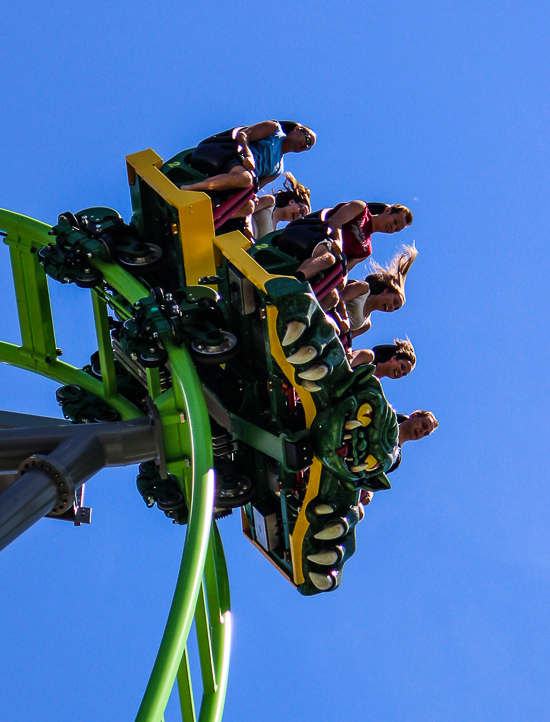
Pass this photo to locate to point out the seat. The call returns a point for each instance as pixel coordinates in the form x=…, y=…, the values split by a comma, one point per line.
x=181, y=171
x=213, y=154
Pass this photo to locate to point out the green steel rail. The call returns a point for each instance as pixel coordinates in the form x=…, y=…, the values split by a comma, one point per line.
x=202, y=588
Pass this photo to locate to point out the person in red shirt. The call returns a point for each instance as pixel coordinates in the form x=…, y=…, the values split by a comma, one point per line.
x=354, y=223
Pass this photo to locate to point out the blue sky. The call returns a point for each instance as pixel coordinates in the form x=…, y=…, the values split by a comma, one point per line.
x=441, y=106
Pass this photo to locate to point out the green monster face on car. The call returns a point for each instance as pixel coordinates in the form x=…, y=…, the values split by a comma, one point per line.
x=356, y=435
x=354, y=432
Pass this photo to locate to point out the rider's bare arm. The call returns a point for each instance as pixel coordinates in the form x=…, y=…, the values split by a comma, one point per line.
x=346, y=213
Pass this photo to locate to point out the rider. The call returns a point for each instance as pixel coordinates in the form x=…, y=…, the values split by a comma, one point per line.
x=392, y=361
x=258, y=157
x=353, y=224
x=383, y=290
x=288, y=204
x=411, y=428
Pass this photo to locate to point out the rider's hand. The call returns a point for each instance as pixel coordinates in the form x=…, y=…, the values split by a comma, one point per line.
x=248, y=160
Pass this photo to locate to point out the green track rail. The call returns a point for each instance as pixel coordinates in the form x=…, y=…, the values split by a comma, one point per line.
x=202, y=588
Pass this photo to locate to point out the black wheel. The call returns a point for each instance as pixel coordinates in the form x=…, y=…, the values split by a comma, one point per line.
x=67, y=393
x=177, y=330
x=154, y=359
x=170, y=501
x=104, y=415
x=89, y=280
x=217, y=352
x=150, y=260
x=233, y=490
x=95, y=365
x=69, y=217
x=158, y=294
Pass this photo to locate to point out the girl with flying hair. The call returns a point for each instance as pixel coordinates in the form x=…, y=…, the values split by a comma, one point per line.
x=392, y=360
x=288, y=204
x=382, y=290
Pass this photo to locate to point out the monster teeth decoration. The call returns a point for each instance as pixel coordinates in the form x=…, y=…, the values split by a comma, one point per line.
x=321, y=509
x=350, y=425
x=303, y=355
x=347, y=437
x=326, y=557
x=359, y=467
x=321, y=581
x=315, y=373
x=293, y=332
x=334, y=530
x=311, y=386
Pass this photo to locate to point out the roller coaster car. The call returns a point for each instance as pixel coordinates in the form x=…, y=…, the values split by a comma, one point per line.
x=296, y=433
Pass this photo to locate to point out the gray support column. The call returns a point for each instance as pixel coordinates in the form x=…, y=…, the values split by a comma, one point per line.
x=25, y=502
x=58, y=460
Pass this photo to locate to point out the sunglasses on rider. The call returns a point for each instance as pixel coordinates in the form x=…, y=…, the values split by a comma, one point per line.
x=308, y=137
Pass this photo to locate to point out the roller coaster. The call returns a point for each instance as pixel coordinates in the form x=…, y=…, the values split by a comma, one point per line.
x=219, y=373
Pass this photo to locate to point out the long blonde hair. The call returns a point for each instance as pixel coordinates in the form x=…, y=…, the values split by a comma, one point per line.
x=393, y=275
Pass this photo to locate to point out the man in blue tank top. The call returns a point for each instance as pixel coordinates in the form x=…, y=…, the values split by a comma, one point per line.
x=259, y=159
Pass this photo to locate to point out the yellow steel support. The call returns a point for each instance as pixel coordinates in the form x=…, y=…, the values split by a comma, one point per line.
x=288, y=369
x=302, y=524
x=234, y=247
x=196, y=225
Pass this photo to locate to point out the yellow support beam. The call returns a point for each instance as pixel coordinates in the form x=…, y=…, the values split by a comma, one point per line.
x=234, y=247
x=302, y=524
x=195, y=221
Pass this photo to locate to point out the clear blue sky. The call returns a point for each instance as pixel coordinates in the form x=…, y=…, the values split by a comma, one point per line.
x=443, y=106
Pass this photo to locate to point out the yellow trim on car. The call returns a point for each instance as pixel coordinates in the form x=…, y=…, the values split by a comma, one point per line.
x=288, y=369
x=195, y=221
x=302, y=524
x=234, y=247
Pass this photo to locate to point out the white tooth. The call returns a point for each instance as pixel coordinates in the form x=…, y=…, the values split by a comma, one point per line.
x=293, y=332
x=322, y=582
x=314, y=373
x=303, y=355
x=333, y=530
x=359, y=467
x=321, y=509
x=311, y=387
x=346, y=437
x=349, y=425
x=326, y=557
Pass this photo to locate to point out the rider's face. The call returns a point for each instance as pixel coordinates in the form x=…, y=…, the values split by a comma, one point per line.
x=393, y=369
x=293, y=210
x=388, y=301
x=299, y=140
x=393, y=222
x=417, y=427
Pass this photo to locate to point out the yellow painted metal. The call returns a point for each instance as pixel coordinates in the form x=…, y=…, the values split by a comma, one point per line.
x=364, y=414
x=371, y=462
x=234, y=247
x=288, y=369
x=302, y=524
x=196, y=224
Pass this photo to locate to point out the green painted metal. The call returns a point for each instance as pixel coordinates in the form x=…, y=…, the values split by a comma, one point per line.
x=63, y=373
x=106, y=358
x=202, y=588
x=185, y=689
